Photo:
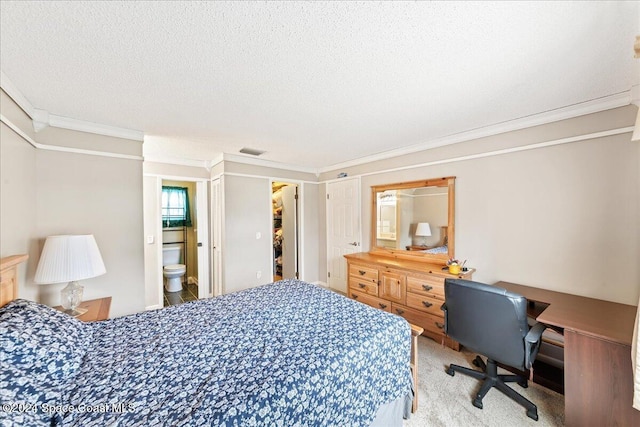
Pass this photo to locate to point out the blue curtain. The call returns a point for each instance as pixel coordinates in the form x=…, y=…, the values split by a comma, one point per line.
x=175, y=207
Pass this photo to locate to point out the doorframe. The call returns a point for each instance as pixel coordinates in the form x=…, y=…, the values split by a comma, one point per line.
x=216, y=235
x=300, y=225
x=203, y=270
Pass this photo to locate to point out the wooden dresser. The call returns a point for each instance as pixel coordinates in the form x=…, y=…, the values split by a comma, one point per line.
x=411, y=289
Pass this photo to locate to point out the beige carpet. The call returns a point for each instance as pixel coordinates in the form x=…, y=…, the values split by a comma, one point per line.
x=446, y=400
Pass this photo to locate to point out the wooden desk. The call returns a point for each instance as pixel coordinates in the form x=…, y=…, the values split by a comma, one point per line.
x=598, y=377
x=97, y=309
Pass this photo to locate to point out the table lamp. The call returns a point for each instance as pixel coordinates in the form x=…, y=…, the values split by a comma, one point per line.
x=69, y=259
x=423, y=230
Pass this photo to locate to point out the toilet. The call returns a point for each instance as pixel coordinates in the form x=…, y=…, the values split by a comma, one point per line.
x=172, y=270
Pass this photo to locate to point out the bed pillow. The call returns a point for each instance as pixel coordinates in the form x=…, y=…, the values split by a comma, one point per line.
x=42, y=343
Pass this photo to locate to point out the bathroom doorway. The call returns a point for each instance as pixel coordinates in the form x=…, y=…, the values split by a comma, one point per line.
x=179, y=242
x=285, y=210
x=153, y=235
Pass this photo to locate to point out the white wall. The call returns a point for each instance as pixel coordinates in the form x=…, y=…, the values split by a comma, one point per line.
x=18, y=217
x=61, y=192
x=80, y=194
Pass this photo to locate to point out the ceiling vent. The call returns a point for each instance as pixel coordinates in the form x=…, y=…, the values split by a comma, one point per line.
x=251, y=151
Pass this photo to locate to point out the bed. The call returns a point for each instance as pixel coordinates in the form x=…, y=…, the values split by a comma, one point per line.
x=442, y=246
x=285, y=354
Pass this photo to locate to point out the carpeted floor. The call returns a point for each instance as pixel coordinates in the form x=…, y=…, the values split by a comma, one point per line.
x=446, y=401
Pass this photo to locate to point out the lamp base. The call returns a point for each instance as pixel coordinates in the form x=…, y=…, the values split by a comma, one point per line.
x=76, y=312
x=71, y=297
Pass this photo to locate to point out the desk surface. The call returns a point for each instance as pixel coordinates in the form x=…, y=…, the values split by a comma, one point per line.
x=606, y=320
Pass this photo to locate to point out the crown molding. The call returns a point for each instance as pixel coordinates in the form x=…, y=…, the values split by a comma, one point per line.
x=95, y=128
x=263, y=162
x=177, y=161
x=13, y=92
x=594, y=106
x=63, y=149
x=42, y=118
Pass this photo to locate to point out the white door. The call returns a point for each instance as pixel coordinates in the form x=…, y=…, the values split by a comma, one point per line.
x=343, y=229
x=290, y=232
x=216, y=236
x=202, y=234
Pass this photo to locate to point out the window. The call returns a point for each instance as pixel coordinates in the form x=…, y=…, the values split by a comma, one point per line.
x=175, y=207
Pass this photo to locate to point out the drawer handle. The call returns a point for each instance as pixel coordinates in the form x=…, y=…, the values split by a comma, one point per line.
x=362, y=285
x=427, y=304
x=362, y=272
x=382, y=306
x=427, y=287
x=354, y=296
x=399, y=311
x=439, y=325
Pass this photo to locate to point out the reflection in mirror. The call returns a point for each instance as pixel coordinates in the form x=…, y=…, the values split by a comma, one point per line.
x=415, y=218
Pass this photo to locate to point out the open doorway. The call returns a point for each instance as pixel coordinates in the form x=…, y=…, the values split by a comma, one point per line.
x=284, y=198
x=184, y=233
x=179, y=242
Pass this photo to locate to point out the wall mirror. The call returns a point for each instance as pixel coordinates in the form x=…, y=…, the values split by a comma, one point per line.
x=415, y=220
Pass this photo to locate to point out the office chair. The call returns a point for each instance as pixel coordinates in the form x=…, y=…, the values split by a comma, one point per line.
x=493, y=322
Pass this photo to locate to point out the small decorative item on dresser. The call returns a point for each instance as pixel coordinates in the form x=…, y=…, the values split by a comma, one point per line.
x=454, y=266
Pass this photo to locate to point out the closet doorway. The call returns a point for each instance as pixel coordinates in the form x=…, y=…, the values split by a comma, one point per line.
x=284, y=198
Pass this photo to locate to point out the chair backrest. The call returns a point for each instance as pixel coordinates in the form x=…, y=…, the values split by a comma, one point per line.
x=487, y=319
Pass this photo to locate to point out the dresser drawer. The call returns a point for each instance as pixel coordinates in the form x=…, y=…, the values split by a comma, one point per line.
x=363, y=285
x=363, y=273
x=425, y=303
x=429, y=322
x=430, y=286
x=370, y=300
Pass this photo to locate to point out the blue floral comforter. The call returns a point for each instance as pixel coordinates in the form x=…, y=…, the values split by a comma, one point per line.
x=284, y=354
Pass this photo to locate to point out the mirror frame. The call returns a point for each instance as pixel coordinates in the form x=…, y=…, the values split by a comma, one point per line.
x=448, y=182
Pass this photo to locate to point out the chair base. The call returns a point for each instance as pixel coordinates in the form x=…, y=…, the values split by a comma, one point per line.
x=489, y=376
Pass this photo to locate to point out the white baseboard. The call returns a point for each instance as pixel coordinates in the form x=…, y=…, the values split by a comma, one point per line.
x=320, y=283
x=153, y=307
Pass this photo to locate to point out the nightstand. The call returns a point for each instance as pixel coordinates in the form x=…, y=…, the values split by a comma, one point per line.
x=97, y=309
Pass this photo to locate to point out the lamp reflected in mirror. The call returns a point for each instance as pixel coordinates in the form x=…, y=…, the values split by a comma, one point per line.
x=423, y=230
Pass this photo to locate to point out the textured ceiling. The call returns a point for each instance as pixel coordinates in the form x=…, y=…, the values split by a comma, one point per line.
x=313, y=83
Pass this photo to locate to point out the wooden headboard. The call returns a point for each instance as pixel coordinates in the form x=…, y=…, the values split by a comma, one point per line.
x=444, y=240
x=9, y=277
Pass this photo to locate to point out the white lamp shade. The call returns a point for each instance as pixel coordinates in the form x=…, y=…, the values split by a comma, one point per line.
x=69, y=258
x=423, y=229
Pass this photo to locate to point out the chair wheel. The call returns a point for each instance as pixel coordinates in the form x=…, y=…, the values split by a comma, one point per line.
x=533, y=414
x=478, y=403
x=475, y=362
x=450, y=371
x=523, y=384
